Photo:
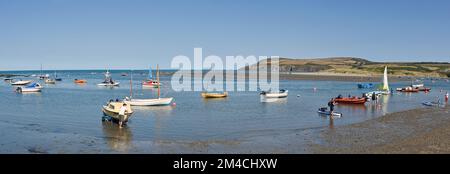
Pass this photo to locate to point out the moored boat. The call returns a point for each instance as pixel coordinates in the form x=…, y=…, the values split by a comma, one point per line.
x=80, y=81
x=108, y=81
x=21, y=82
x=214, y=95
x=280, y=94
x=148, y=102
x=35, y=87
x=365, y=85
x=350, y=100
x=150, y=82
x=50, y=81
x=408, y=89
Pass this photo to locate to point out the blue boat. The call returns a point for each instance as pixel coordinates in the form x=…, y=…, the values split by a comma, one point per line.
x=365, y=85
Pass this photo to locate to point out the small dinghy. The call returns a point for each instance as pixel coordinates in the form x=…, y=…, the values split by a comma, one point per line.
x=280, y=94
x=80, y=81
x=324, y=111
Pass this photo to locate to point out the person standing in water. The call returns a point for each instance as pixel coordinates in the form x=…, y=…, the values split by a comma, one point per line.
x=331, y=105
x=122, y=115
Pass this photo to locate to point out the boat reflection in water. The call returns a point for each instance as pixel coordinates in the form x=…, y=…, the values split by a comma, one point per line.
x=154, y=110
x=118, y=139
x=382, y=105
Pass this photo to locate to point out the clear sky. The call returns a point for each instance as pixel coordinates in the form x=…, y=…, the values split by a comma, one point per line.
x=92, y=34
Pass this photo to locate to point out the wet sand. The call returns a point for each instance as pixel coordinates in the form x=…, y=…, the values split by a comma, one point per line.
x=423, y=130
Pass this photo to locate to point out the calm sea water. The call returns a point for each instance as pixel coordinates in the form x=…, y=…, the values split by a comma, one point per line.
x=67, y=109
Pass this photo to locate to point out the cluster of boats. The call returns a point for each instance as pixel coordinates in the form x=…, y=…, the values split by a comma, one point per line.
x=382, y=90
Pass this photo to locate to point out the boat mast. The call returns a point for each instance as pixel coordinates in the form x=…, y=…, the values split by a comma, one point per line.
x=150, y=74
x=157, y=79
x=131, y=84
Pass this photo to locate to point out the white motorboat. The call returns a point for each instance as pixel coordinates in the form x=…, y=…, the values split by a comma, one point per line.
x=21, y=82
x=280, y=94
x=35, y=87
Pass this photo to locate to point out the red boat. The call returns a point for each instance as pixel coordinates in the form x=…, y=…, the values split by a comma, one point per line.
x=408, y=89
x=151, y=83
x=351, y=100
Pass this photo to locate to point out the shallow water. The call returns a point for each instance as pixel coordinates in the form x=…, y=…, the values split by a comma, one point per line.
x=67, y=116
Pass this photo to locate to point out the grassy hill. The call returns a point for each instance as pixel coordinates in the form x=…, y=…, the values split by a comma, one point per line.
x=359, y=66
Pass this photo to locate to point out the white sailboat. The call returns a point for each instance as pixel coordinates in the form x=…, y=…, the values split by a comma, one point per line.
x=384, y=90
x=149, y=102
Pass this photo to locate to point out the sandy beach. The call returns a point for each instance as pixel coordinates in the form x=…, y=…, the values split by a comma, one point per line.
x=423, y=130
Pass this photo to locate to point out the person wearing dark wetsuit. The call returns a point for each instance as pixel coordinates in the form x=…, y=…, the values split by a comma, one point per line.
x=331, y=105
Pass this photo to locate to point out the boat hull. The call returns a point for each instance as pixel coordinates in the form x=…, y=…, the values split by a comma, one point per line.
x=350, y=100
x=275, y=95
x=25, y=90
x=149, y=102
x=19, y=83
x=114, y=113
x=214, y=95
x=109, y=84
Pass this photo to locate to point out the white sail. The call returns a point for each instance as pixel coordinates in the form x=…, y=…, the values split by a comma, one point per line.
x=385, y=80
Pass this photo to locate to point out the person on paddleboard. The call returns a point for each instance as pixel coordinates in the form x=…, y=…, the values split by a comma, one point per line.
x=331, y=105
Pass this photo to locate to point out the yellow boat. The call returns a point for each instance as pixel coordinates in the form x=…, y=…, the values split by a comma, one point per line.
x=112, y=109
x=214, y=95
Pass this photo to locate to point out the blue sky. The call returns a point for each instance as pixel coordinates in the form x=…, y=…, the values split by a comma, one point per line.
x=98, y=34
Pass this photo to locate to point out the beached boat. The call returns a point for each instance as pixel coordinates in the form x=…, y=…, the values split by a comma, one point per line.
x=214, y=95
x=112, y=110
x=150, y=82
x=35, y=87
x=438, y=104
x=280, y=94
x=21, y=82
x=325, y=111
x=148, y=102
x=80, y=81
x=384, y=90
x=350, y=100
x=8, y=79
x=108, y=81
